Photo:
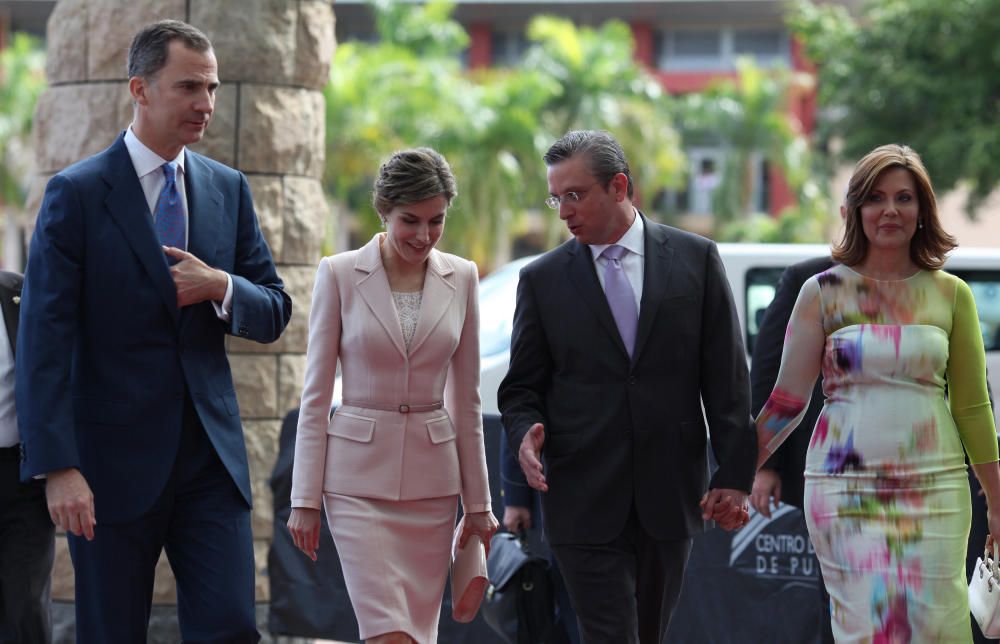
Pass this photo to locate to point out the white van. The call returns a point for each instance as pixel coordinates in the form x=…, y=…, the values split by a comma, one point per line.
x=753, y=271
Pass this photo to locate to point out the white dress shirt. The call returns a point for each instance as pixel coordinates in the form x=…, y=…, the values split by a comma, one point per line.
x=632, y=261
x=8, y=416
x=147, y=166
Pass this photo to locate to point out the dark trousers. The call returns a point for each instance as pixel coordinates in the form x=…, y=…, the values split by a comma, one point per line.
x=203, y=523
x=624, y=591
x=27, y=547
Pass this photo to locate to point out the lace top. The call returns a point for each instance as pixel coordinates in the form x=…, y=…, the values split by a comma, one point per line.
x=408, y=310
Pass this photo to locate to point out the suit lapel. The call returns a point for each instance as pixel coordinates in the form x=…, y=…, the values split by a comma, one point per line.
x=373, y=286
x=656, y=276
x=127, y=206
x=204, y=208
x=439, y=291
x=583, y=275
x=11, y=312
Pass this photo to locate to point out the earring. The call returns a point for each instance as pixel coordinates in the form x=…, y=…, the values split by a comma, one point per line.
x=920, y=224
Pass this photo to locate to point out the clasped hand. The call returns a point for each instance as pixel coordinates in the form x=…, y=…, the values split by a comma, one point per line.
x=727, y=507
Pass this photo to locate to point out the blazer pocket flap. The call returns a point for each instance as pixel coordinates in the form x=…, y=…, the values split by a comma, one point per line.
x=440, y=430
x=352, y=427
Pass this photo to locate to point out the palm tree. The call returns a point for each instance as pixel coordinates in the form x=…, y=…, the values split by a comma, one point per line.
x=599, y=85
x=749, y=118
x=492, y=125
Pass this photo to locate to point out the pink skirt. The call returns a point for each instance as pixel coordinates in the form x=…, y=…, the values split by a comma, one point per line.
x=395, y=557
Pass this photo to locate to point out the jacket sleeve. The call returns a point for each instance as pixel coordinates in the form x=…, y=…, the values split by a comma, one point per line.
x=725, y=380
x=801, y=361
x=967, y=391
x=520, y=396
x=461, y=398
x=322, y=353
x=50, y=302
x=513, y=484
x=767, y=349
x=261, y=308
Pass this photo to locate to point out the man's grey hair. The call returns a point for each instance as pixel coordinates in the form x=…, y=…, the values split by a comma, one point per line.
x=148, y=53
x=603, y=152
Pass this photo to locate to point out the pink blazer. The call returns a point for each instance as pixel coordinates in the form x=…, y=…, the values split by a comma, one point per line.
x=387, y=454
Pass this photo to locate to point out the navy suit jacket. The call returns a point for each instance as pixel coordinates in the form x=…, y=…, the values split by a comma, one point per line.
x=618, y=430
x=106, y=357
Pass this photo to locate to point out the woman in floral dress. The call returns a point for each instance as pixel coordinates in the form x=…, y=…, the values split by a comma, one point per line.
x=901, y=351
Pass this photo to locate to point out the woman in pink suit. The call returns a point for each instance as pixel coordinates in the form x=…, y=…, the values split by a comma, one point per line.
x=390, y=465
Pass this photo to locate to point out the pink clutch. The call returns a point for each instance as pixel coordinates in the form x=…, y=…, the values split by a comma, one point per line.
x=468, y=576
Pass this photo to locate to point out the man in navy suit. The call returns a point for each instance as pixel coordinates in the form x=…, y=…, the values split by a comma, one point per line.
x=144, y=257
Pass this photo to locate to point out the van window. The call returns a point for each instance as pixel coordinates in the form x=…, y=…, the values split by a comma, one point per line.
x=759, y=287
x=985, y=286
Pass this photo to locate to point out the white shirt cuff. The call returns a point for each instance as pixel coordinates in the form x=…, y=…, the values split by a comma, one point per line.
x=225, y=308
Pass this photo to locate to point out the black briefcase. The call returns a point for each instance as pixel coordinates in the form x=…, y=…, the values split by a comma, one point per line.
x=519, y=603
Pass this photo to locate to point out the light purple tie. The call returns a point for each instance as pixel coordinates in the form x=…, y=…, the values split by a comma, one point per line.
x=620, y=296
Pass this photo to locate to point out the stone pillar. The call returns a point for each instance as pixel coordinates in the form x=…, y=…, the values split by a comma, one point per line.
x=269, y=122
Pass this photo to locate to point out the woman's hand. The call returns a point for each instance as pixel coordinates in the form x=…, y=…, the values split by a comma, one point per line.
x=766, y=489
x=303, y=524
x=993, y=518
x=481, y=524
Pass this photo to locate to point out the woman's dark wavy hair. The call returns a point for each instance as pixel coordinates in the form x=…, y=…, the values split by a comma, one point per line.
x=930, y=244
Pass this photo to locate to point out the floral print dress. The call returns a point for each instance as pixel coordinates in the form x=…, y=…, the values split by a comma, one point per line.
x=887, y=497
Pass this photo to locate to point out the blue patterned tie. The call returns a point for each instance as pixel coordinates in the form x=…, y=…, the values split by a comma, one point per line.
x=621, y=297
x=170, y=211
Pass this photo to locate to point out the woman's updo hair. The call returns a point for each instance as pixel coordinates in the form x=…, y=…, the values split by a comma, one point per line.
x=409, y=176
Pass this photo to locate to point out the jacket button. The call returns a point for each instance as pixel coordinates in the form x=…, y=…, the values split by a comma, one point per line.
x=631, y=380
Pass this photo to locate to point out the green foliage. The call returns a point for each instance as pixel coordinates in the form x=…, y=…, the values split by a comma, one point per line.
x=919, y=72
x=22, y=80
x=494, y=125
x=748, y=117
x=598, y=85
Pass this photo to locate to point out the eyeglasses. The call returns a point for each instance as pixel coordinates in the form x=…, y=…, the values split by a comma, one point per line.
x=555, y=201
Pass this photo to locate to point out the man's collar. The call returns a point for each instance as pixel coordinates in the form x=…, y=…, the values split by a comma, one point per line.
x=144, y=159
x=631, y=240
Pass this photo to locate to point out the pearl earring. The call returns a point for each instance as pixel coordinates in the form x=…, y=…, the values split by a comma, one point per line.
x=920, y=224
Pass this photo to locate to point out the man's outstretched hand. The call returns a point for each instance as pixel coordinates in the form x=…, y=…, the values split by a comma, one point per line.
x=529, y=455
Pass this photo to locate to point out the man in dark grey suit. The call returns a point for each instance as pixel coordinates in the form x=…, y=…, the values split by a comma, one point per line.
x=27, y=536
x=620, y=335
